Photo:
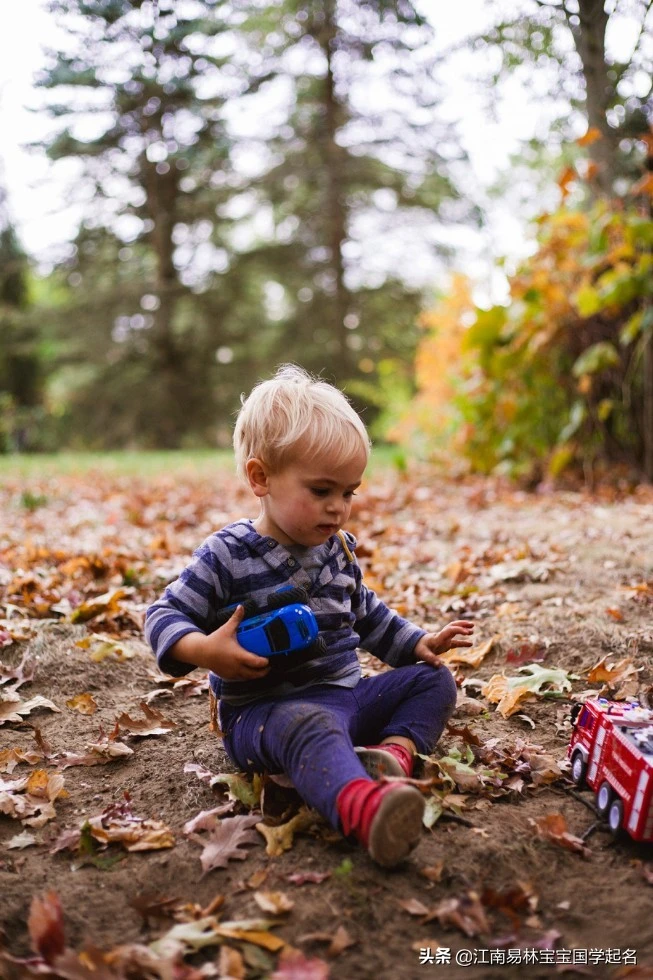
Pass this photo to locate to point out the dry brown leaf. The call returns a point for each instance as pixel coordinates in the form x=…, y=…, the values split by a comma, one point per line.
x=107, y=603
x=553, y=827
x=45, y=925
x=613, y=674
x=84, y=703
x=231, y=963
x=10, y=758
x=508, y=700
x=472, y=657
x=13, y=709
x=24, y=839
x=433, y=872
x=413, y=906
x=293, y=965
x=465, y=913
x=226, y=842
x=97, y=754
x=259, y=938
x=154, y=724
x=274, y=902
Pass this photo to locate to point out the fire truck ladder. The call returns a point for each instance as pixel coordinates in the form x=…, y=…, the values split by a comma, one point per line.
x=596, y=754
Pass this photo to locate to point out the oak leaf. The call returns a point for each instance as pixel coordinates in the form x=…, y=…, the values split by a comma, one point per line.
x=13, y=709
x=154, y=724
x=226, y=842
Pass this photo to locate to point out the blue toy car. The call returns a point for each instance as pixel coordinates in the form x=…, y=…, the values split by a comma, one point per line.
x=281, y=631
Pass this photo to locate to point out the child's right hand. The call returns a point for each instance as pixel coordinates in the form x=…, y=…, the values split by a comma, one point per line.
x=224, y=655
x=221, y=652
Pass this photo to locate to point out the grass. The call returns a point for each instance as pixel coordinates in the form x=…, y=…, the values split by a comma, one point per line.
x=30, y=466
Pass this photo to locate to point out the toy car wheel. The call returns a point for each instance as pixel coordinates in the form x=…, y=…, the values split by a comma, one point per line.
x=615, y=816
x=604, y=799
x=578, y=768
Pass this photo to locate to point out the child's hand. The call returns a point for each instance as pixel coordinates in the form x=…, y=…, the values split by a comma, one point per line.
x=433, y=643
x=223, y=654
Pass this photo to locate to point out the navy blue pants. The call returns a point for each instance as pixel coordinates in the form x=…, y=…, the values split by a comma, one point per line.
x=310, y=736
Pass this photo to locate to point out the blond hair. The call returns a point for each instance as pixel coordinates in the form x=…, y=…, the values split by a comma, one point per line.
x=294, y=414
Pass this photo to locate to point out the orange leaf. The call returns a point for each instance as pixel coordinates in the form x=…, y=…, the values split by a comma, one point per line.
x=615, y=613
x=84, y=703
x=45, y=924
x=591, y=136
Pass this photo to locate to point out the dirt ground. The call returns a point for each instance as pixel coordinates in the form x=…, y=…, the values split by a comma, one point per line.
x=557, y=578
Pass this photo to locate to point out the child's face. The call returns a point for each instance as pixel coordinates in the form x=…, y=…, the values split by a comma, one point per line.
x=305, y=503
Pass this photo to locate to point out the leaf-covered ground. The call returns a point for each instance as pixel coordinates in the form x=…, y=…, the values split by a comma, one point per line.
x=128, y=848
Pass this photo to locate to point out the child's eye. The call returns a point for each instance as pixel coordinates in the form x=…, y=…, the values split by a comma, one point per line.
x=319, y=491
x=350, y=493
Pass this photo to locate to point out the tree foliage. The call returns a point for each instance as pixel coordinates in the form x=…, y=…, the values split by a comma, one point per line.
x=561, y=375
x=232, y=168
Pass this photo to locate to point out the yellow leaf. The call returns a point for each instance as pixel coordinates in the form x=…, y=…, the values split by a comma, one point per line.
x=264, y=939
x=473, y=657
x=84, y=703
x=280, y=839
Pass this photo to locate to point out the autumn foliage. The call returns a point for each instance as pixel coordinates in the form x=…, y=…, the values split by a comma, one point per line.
x=562, y=375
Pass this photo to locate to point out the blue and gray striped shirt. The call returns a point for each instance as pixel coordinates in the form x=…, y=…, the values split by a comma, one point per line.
x=238, y=563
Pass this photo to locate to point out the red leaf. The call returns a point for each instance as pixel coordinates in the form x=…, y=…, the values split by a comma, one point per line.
x=45, y=924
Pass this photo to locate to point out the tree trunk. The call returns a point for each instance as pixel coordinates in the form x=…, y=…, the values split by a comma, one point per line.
x=589, y=37
x=647, y=427
x=336, y=211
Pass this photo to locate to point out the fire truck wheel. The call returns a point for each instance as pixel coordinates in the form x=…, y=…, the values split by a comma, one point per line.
x=604, y=799
x=615, y=816
x=578, y=768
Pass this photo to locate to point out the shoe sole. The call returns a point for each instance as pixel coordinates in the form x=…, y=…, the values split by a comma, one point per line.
x=397, y=826
x=378, y=763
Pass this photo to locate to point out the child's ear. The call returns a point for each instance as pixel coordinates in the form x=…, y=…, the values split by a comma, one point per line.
x=257, y=476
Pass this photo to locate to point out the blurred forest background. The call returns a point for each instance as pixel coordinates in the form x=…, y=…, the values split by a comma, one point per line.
x=262, y=180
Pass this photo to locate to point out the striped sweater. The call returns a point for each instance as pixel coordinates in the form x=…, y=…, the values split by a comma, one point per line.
x=238, y=563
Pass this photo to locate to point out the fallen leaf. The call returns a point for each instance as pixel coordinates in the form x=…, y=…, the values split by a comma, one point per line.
x=413, y=906
x=338, y=941
x=473, y=657
x=207, y=819
x=109, y=602
x=84, y=703
x=231, y=963
x=13, y=709
x=433, y=872
x=553, y=827
x=615, y=613
x=21, y=840
x=274, y=902
x=465, y=913
x=280, y=839
x=10, y=758
x=154, y=724
x=238, y=787
x=45, y=926
x=312, y=877
x=295, y=966
x=97, y=754
x=226, y=842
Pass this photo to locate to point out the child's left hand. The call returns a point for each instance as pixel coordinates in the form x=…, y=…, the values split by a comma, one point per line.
x=430, y=645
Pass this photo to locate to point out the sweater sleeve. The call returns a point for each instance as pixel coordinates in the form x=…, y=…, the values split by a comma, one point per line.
x=382, y=631
x=189, y=604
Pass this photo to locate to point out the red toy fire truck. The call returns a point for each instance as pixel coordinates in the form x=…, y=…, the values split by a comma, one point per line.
x=611, y=750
